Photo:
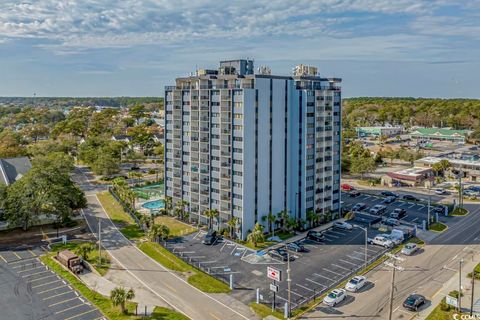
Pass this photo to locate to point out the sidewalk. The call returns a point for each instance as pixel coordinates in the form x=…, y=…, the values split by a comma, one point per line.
x=452, y=285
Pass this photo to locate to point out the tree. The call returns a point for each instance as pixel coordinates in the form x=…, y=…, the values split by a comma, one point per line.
x=168, y=204
x=119, y=297
x=312, y=218
x=137, y=112
x=232, y=224
x=182, y=214
x=210, y=214
x=270, y=218
x=441, y=166
x=158, y=231
x=256, y=236
x=291, y=223
x=362, y=165
x=11, y=144
x=84, y=249
x=283, y=216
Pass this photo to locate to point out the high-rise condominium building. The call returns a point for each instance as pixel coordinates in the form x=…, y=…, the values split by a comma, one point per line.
x=248, y=144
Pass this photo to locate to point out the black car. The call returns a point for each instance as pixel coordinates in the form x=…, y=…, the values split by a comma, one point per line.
x=282, y=254
x=438, y=209
x=296, y=246
x=398, y=213
x=389, y=194
x=353, y=194
x=410, y=197
x=359, y=206
x=414, y=301
x=210, y=237
x=315, y=236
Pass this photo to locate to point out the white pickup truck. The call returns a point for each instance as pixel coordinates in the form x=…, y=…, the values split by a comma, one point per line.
x=382, y=241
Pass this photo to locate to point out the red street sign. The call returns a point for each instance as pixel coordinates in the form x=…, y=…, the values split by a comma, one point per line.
x=274, y=274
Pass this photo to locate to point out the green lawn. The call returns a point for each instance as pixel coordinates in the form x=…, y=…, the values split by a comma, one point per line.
x=103, y=303
x=196, y=278
x=132, y=232
x=477, y=272
x=438, y=227
x=114, y=209
x=92, y=256
x=263, y=310
x=460, y=212
x=177, y=228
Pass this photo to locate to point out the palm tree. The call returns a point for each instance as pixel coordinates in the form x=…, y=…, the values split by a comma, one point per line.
x=84, y=250
x=270, y=218
x=158, y=231
x=283, y=216
x=210, y=214
x=291, y=223
x=232, y=223
x=256, y=236
x=168, y=204
x=119, y=297
x=181, y=206
x=312, y=218
x=146, y=222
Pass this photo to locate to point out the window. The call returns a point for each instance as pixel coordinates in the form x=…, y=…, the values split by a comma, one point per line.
x=237, y=184
x=215, y=114
x=237, y=127
x=237, y=173
x=215, y=190
x=238, y=104
x=237, y=139
x=235, y=207
x=237, y=196
x=238, y=150
x=238, y=116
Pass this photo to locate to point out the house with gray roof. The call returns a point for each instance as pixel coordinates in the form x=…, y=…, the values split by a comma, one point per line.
x=12, y=169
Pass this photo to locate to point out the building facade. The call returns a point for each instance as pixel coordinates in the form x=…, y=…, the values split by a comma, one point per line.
x=249, y=144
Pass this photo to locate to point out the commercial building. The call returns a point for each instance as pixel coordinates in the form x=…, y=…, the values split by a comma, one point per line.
x=440, y=134
x=379, y=131
x=412, y=177
x=12, y=169
x=248, y=144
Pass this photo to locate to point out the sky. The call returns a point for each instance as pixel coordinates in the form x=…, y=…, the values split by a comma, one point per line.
x=411, y=48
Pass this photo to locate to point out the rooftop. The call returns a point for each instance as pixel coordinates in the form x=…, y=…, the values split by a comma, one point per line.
x=441, y=132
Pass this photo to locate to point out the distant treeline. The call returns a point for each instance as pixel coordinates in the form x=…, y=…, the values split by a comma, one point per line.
x=455, y=113
x=63, y=102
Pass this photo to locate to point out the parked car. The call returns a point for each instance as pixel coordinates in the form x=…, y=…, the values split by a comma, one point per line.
x=391, y=222
x=388, y=200
x=398, y=213
x=359, y=206
x=440, y=191
x=382, y=241
x=356, y=283
x=315, y=236
x=334, y=297
x=410, y=197
x=353, y=194
x=282, y=254
x=438, y=209
x=392, y=238
x=342, y=225
x=389, y=194
x=346, y=187
x=296, y=246
x=409, y=249
x=210, y=237
x=470, y=193
x=377, y=209
x=414, y=301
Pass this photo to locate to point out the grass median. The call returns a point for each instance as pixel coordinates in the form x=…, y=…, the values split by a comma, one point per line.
x=103, y=303
x=438, y=227
x=195, y=277
x=92, y=257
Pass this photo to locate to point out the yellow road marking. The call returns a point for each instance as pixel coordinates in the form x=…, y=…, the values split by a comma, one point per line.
x=56, y=295
x=16, y=255
x=170, y=287
x=3, y=258
x=63, y=301
x=79, y=305
x=213, y=315
x=32, y=253
x=48, y=290
x=84, y=313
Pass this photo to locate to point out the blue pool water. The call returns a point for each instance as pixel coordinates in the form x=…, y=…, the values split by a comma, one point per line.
x=156, y=204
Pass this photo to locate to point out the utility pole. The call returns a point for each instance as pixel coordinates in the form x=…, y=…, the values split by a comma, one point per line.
x=460, y=189
x=366, y=243
x=474, y=274
x=394, y=269
x=289, y=281
x=429, y=202
x=460, y=286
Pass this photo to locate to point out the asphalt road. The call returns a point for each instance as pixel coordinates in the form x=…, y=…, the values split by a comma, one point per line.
x=425, y=273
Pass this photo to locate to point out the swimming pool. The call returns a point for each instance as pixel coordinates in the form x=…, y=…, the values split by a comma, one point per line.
x=152, y=205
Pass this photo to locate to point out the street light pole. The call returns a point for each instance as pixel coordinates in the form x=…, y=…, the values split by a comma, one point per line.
x=366, y=243
x=460, y=286
x=392, y=287
x=474, y=274
x=428, y=211
x=289, y=281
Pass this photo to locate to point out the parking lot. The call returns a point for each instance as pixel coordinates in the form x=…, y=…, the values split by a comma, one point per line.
x=32, y=291
x=416, y=211
x=326, y=264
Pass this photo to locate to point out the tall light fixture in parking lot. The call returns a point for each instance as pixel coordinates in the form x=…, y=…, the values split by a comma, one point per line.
x=366, y=242
x=429, y=202
x=460, y=286
x=289, y=281
x=394, y=269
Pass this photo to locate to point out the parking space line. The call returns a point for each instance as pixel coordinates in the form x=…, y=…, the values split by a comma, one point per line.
x=322, y=276
x=58, y=295
x=336, y=265
x=331, y=236
x=32, y=253
x=282, y=298
x=63, y=301
x=16, y=255
x=1, y=257
x=337, y=233
x=26, y=270
x=421, y=206
x=82, y=314
x=338, y=274
x=303, y=287
x=356, y=258
x=48, y=290
x=297, y=294
x=44, y=284
x=348, y=262
x=315, y=282
x=414, y=219
x=197, y=257
x=205, y=262
x=34, y=274
x=61, y=311
x=41, y=278
x=412, y=205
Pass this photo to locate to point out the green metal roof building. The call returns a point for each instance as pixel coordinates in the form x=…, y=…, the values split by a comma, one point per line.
x=440, y=134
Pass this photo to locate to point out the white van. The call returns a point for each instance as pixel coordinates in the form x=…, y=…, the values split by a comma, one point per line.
x=398, y=234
